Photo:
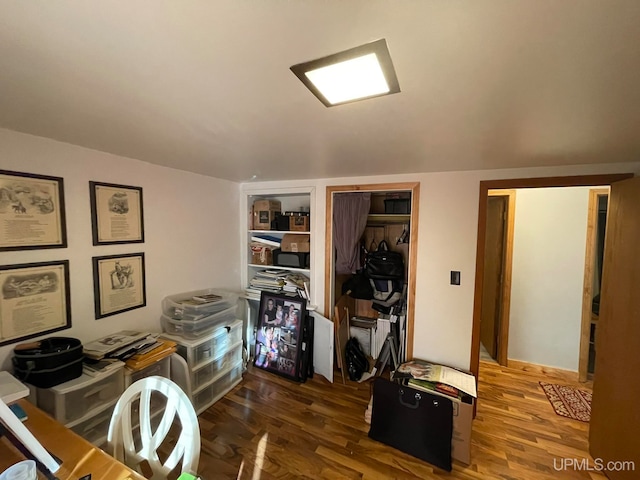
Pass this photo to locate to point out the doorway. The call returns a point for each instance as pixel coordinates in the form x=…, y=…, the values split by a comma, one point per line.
x=485, y=187
x=330, y=287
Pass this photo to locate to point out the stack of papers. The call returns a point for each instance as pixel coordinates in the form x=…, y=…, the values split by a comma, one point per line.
x=437, y=374
x=121, y=345
x=269, y=280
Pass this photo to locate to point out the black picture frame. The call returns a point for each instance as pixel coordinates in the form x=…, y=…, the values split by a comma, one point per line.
x=279, y=346
x=32, y=211
x=119, y=283
x=117, y=213
x=34, y=292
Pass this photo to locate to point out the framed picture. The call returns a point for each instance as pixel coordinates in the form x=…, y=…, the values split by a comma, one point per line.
x=118, y=283
x=116, y=214
x=31, y=211
x=279, y=338
x=35, y=300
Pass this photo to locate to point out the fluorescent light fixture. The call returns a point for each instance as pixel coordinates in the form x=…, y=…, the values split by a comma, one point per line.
x=355, y=74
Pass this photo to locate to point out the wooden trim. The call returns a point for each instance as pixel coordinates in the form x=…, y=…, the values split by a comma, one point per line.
x=587, y=288
x=485, y=186
x=414, y=188
x=559, y=373
x=543, y=182
x=507, y=267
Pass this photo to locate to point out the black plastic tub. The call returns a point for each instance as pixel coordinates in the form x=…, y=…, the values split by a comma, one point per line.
x=49, y=362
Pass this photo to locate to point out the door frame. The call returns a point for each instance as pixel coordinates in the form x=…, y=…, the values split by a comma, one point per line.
x=507, y=263
x=515, y=183
x=329, y=268
x=587, y=289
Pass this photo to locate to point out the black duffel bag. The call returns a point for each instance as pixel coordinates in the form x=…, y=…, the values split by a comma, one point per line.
x=48, y=362
x=384, y=264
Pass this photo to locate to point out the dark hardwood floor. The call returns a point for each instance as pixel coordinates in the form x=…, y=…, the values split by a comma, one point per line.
x=271, y=428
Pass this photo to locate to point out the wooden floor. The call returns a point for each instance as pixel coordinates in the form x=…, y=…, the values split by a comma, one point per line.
x=269, y=427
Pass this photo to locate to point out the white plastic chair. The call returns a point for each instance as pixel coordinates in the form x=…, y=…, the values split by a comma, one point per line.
x=120, y=436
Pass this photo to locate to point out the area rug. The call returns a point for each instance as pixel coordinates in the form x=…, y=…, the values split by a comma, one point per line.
x=568, y=401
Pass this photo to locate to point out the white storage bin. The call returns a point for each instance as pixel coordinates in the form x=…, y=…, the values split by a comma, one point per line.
x=95, y=428
x=223, y=361
x=182, y=305
x=72, y=400
x=198, y=328
x=199, y=352
x=211, y=393
x=160, y=368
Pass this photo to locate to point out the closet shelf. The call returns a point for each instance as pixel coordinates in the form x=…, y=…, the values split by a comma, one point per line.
x=389, y=217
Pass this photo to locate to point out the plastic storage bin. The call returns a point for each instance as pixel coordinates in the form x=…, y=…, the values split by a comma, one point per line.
x=74, y=399
x=198, y=328
x=95, y=428
x=160, y=368
x=182, y=306
x=224, y=361
x=214, y=391
x=199, y=352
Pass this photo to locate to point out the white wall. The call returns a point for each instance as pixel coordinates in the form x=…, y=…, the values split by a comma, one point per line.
x=548, y=271
x=448, y=223
x=191, y=229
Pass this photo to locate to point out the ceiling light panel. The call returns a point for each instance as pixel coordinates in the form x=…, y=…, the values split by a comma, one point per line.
x=355, y=74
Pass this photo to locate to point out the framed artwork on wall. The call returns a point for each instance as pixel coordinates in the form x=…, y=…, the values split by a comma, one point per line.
x=279, y=338
x=118, y=283
x=32, y=213
x=116, y=213
x=35, y=300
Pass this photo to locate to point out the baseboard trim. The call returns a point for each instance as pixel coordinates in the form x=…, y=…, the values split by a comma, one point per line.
x=560, y=373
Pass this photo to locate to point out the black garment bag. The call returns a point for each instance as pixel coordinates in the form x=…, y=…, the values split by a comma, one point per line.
x=415, y=422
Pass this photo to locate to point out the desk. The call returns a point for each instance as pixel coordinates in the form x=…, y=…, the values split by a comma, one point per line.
x=78, y=456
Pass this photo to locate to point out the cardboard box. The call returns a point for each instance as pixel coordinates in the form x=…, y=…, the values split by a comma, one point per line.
x=262, y=257
x=461, y=438
x=296, y=243
x=264, y=212
x=299, y=223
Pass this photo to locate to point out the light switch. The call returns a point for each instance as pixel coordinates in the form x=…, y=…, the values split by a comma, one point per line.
x=455, y=277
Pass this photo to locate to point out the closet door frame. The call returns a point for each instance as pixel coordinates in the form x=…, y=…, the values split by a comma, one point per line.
x=414, y=188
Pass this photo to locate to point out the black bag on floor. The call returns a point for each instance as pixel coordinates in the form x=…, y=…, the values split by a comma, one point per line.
x=357, y=362
x=415, y=422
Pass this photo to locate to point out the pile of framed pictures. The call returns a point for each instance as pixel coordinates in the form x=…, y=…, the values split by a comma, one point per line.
x=284, y=341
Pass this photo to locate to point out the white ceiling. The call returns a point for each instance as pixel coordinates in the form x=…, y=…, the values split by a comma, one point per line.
x=205, y=86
